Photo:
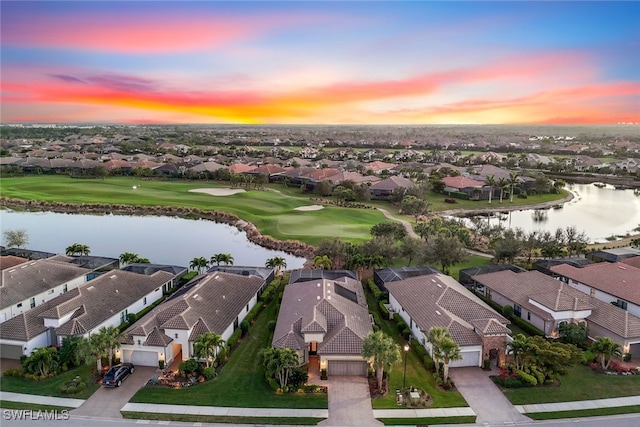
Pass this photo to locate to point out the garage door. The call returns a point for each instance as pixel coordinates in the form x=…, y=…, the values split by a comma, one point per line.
x=469, y=358
x=141, y=358
x=343, y=367
x=634, y=349
x=10, y=351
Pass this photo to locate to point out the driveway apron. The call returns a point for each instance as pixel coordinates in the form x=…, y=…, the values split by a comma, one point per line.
x=484, y=397
x=107, y=402
x=349, y=402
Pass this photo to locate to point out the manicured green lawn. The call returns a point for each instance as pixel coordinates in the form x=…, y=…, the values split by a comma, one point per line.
x=271, y=212
x=472, y=261
x=241, y=382
x=417, y=375
x=51, y=386
x=5, y=404
x=585, y=413
x=427, y=421
x=222, y=419
x=436, y=202
x=581, y=383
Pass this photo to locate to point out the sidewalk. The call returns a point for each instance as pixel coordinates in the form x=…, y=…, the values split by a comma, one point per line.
x=40, y=400
x=423, y=413
x=579, y=405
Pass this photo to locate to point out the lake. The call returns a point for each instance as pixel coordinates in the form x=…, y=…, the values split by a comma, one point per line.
x=164, y=240
x=599, y=212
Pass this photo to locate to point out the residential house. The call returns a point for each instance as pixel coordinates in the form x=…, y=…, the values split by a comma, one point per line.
x=547, y=303
x=150, y=269
x=386, y=187
x=377, y=167
x=613, y=254
x=31, y=283
x=437, y=300
x=615, y=283
x=459, y=184
x=214, y=302
x=105, y=301
x=383, y=276
x=325, y=321
x=10, y=261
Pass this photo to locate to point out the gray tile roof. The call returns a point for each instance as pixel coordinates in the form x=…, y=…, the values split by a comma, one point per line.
x=35, y=277
x=316, y=306
x=104, y=297
x=212, y=305
x=436, y=300
x=517, y=287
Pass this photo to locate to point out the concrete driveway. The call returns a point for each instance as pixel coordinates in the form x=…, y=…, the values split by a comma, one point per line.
x=349, y=402
x=484, y=397
x=107, y=402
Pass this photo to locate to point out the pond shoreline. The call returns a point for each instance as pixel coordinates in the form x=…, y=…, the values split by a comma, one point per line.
x=506, y=208
x=292, y=247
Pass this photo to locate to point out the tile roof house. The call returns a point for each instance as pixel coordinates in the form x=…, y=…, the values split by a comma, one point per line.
x=610, y=282
x=104, y=301
x=437, y=300
x=8, y=261
x=326, y=320
x=386, y=187
x=470, y=187
x=546, y=303
x=29, y=284
x=214, y=302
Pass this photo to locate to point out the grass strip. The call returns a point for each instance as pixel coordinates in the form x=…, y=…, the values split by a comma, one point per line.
x=6, y=404
x=463, y=419
x=618, y=410
x=220, y=419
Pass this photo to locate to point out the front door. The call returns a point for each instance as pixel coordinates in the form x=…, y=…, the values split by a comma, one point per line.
x=313, y=348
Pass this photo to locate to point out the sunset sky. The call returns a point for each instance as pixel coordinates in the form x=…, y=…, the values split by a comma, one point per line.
x=303, y=62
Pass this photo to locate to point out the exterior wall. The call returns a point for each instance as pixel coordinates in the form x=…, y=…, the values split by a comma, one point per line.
x=227, y=332
x=247, y=308
x=495, y=341
x=8, y=312
x=594, y=331
x=315, y=336
x=535, y=320
x=180, y=336
x=603, y=296
x=42, y=340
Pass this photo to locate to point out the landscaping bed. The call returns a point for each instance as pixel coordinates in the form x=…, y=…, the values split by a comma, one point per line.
x=54, y=386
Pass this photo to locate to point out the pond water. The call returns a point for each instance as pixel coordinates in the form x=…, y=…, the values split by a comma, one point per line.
x=600, y=212
x=164, y=240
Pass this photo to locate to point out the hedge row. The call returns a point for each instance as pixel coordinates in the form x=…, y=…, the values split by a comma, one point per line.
x=383, y=309
x=376, y=292
x=426, y=360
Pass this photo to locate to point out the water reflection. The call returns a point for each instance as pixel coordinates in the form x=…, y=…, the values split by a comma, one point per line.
x=163, y=240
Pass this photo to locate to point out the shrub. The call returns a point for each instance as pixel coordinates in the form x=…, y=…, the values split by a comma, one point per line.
x=271, y=325
x=527, y=327
x=15, y=372
x=73, y=387
x=527, y=378
x=273, y=384
x=383, y=309
x=131, y=318
x=486, y=364
x=448, y=200
x=375, y=291
x=418, y=348
x=323, y=374
x=234, y=338
x=587, y=357
x=244, y=327
x=188, y=366
x=626, y=357
x=428, y=363
x=507, y=311
x=297, y=378
x=266, y=296
x=209, y=373
x=161, y=364
x=251, y=315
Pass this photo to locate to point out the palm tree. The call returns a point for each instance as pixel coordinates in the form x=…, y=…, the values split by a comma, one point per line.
x=605, y=348
x=449, y=352
x=514, y=179
x=278, y=263
x=279, y=362
x=72, y=249
x=490, y=180
x=218, y=258
x=206, y=347
x=112, y=338
x=323, y=262
x=502, y=184
x=42, y=361
x=436, y=335
x=198, y=264
x=519, y=348
x=78, y=248
x=128, y=258
x=93, y=348
x=383, y=350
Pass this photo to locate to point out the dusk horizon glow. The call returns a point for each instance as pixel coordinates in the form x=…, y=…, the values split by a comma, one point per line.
x=400, y=63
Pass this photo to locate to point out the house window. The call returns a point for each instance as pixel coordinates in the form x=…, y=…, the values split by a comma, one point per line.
x=488, y=292
x=517, y=310
x=33, y=302
x=592, y=292
x=528, y=315
x=176, y=335
x=65, y=288
x=247, y=308
x=51, y=291
x=19, y=305
x=622, y=304
x=138, y=342
x=123, y=316
x=235, y=324
x=144, y=301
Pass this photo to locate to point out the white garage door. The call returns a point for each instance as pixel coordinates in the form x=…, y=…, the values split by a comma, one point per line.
x=469, y=358
x=141, y=358
x=343, y=367
x=8, y=351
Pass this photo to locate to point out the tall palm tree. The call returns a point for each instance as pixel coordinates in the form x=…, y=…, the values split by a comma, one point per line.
x=514, y=180
x=278, y=263
x=112, y=338
x=449, y=352
x=435, y=336
x=279, y=362
x=605, y=348
x=198, y=264
x=72, y=249
x=519, y=348
x=94, y=348
x=226, y=258
x=502, y=184
x=42, y=361
x=206, y=347
x=78, y=249
x=383, y=350
x=490, y=180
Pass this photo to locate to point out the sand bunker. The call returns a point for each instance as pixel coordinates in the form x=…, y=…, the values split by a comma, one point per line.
x=218, y=191
x=309, y=208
